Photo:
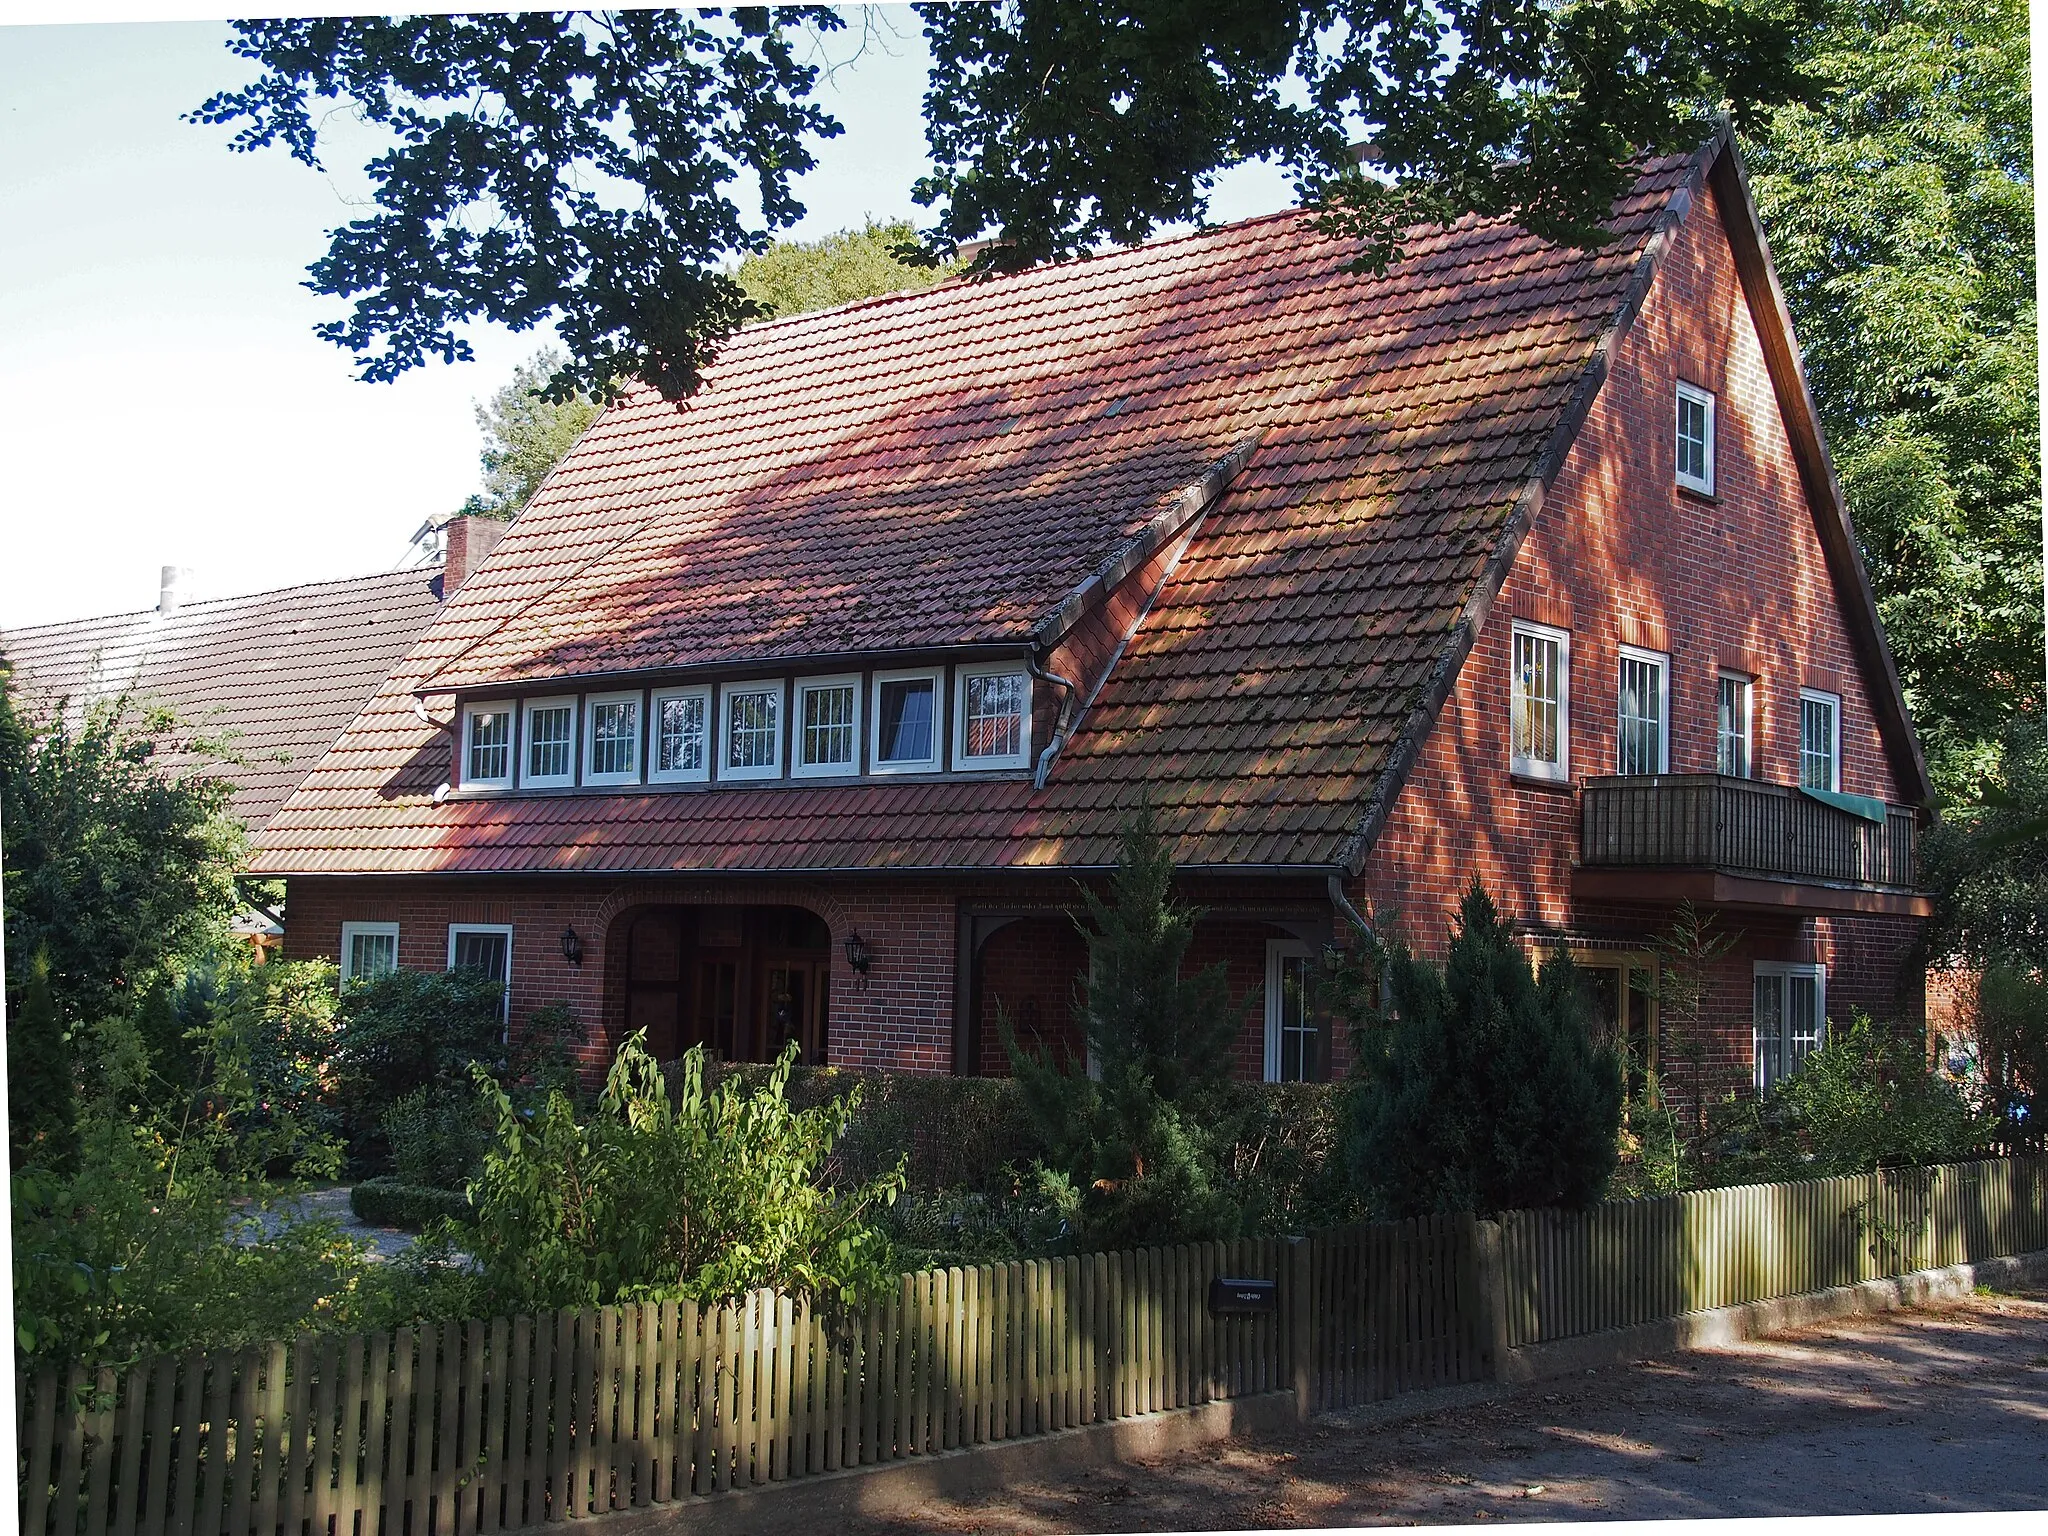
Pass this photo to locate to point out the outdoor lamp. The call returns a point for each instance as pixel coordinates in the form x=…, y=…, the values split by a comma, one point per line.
x=1333, y=957
x=572, y=947
x=857, y=954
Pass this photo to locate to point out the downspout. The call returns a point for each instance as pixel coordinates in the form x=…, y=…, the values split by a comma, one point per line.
x=1061, y=727
x=1343, y=904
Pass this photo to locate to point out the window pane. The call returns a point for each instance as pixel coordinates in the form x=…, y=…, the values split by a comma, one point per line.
x=827, y=727
x=371, y=955
x=490, y=745
x=1816, y=744
x=1731, y=751
x=1297, y=1026
x=1538, y=696
x=484, y=953
x=995, y=715
x=1692, y=438
x=751, y=730
x=1802, y=1019
x=548, y=734
x=1641, y=734
x=906, y=720
x=682, y=735
x=1770, y=1029
x=615, y=737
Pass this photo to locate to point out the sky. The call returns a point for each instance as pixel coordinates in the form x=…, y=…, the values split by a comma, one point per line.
x=163, y=399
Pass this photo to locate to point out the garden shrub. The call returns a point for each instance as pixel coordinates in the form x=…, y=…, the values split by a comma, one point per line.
x=1867, y=1099
x=437, y=1137
x=1481, y=1087
x=407, y=1030
x=706, y=1193
x=392, y=1202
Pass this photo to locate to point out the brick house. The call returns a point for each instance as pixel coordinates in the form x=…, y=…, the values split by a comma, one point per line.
x=798, y=711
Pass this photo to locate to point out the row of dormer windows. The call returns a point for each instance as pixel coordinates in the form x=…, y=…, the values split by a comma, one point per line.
x=968, y=718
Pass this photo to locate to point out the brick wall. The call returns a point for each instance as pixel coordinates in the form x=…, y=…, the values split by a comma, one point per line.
x=1620, y=555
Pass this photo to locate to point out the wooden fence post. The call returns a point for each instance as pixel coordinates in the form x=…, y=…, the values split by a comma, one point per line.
x=1300, y=1326
x=1486, y=1295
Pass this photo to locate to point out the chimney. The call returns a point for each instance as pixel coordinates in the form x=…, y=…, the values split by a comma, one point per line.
x=468, y=540
x=167, y=594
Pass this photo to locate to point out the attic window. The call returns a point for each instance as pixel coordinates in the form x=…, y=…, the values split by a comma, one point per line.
x=550, y=757
x=906, y=722
x=614, y=737
x=487, y=744
x=752, y=732
x=1696, y=439
x=827, y=725
x=681, y=749
x=994, y=715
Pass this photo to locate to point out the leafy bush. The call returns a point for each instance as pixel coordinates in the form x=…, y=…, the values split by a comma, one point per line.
x=391, y=1202
x=1867, y=1099
x=437, y=1138
x=1139, y=1130
x=706, y=1194
x=407, y=1030
x=166, y=1234
x=1481, y=1087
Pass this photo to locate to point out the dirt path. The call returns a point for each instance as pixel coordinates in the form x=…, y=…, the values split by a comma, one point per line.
x=1936, y=1411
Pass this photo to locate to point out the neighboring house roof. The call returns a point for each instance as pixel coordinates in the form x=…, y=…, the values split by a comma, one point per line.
x=276, y=675
x=954, y=467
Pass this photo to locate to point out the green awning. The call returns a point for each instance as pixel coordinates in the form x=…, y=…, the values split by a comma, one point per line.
x=1869, y=807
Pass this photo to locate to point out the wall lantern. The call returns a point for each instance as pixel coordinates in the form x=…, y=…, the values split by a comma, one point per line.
x=857, y=953
x=572, y=947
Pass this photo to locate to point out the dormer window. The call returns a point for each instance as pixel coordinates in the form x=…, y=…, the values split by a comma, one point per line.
x=906, y=722
x=1696, y=439
x=752, y=730
x=994, y=718
x=487, y=745
x=613, y=732
x=549, y=761
x=827, y=726
x=681, y=749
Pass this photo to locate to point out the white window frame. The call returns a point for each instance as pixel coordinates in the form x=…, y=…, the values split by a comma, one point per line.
x=656, y=774
x=1021, y=758
x=726, y=694
x=505, y=707
x=1662, y=662
x=590, y=705
x=350, y=932
x=505, y=981
x=1787, y=972
x=528, y=780
x=806, y=686
x=1558, y=772
x=1834, y=704
x=1701, y=397
x=936, y=676
x=1748, y=686
x=1278, y=950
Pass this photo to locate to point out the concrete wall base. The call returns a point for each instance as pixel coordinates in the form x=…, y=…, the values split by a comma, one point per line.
x=808, y=1506
x=1731, y=1325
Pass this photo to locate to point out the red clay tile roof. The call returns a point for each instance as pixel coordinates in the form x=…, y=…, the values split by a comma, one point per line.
x=944, y=468
x=278, y=674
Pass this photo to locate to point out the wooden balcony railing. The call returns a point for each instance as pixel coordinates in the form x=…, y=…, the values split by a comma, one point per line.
x=1745, y=828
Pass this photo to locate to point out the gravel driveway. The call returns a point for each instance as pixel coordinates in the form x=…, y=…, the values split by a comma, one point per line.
x=1935, y=1411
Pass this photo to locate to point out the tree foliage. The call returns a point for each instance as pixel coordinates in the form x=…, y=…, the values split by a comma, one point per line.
x=705, y=1195
x=1900, y=212
x=114, y=869
x=405, y=1031
x=1138, y=1130
x=578, y=166
x=42, y=1101
x=1481, y=1088
x=526, y=432
x=793, y=277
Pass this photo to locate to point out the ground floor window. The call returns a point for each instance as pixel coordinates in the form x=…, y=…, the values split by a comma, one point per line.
x=485, y=948
x=1293, y=1038
x=1790, y=1017
x=368, y=950
x=1620, y=992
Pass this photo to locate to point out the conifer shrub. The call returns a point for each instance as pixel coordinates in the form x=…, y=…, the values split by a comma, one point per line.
x=1480, y=1087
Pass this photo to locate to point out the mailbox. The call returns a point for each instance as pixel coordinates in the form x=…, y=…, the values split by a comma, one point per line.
x=1236, y=1297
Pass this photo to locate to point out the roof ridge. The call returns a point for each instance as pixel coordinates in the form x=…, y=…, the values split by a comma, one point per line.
x=186, y=606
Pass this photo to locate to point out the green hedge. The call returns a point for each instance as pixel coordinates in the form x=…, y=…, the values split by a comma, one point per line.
x=386, y=1202
x=970, y=1135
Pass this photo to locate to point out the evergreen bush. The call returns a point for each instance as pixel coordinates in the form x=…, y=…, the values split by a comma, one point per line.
x=1481, y=1087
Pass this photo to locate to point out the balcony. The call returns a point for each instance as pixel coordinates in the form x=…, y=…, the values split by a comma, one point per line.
x=1740, y=843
